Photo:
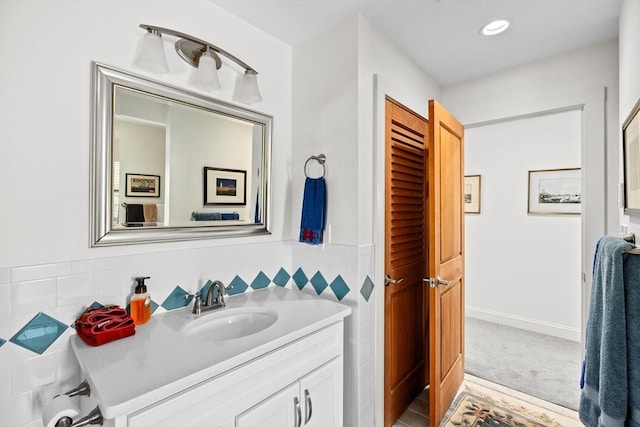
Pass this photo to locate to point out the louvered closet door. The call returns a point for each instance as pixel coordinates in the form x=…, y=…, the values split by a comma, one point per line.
x=405, y=259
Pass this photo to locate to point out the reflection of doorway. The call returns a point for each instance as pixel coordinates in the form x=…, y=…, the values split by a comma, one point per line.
x=424, y=236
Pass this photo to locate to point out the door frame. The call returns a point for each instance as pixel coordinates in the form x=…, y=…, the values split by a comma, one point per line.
x=592, y=103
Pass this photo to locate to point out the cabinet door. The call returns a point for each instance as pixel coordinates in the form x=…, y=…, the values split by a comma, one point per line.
x=280, y=410
x=321, y=395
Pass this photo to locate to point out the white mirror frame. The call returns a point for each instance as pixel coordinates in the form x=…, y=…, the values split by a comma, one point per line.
x=102, y=233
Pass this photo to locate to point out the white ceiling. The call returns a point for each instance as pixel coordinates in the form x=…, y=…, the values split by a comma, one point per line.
x=443, y=36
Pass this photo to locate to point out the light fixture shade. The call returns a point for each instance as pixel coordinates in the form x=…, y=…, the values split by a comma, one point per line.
x=207, y=74
x=247, y=91
x=151, y=56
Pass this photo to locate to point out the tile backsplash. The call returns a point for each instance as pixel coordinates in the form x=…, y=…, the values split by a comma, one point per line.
x=38, y=304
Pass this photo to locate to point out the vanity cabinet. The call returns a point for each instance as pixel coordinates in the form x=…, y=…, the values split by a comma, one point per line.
x=300, y=384
x=314, y=401
x=290, y=373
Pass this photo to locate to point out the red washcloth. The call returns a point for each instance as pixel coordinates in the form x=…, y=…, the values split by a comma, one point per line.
x=97, y=326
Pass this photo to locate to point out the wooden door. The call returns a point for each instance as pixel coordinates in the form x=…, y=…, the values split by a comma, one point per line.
x=446, y=259
x=405, y=259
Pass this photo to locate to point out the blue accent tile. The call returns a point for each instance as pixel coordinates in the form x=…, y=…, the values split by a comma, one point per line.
x=239, y=286
x=339, y=287
x=261, y=281
x=2, y=342
x=177, y=299
x=319, y=283
x=300, y=278
x=282, y=278
x=367, y=288
x=95, y=305
x=39, y=333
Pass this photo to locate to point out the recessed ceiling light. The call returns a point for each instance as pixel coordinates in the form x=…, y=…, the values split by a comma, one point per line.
x=495, y=27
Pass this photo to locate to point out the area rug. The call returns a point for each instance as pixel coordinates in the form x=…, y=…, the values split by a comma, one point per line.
x=477, y=405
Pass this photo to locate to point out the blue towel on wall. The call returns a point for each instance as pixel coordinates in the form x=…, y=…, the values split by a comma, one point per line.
x=611, y=375
x=314, y=207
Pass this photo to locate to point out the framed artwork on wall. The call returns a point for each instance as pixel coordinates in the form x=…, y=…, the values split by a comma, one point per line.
x=225, y=187
x=472, y=194
x=631, y=161
x=142, y=185
x=555, y=191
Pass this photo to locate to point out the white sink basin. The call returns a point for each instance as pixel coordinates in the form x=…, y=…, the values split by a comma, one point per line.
x=228, y=324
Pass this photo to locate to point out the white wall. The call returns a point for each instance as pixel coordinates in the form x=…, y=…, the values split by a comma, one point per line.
x=629, y=82
x=337, y=113
x=522, y=269
x=51, y=159
x=46, y=264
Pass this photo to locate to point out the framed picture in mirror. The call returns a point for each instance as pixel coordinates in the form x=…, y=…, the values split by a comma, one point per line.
x=631, y=161
x=142, y=185
x=225, y=186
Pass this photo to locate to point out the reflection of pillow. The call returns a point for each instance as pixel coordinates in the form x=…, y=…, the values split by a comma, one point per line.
x=206, y=216
x=134, y=213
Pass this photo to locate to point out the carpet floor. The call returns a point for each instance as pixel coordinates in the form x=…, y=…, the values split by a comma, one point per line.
x=539, y=365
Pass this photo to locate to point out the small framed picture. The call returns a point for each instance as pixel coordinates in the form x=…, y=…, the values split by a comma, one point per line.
x=142, y=185
x=225, y=187
x=472, y=194
x=631, y=161
x=555, y=191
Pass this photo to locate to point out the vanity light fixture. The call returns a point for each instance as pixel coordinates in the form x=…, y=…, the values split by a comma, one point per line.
x=203, y=56
x=495, y=27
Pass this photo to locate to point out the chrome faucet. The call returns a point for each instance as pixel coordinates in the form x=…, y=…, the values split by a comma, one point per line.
x=210, y=303
x=218, y=301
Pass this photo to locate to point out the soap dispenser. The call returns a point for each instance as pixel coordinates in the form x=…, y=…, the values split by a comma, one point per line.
x=140, y=302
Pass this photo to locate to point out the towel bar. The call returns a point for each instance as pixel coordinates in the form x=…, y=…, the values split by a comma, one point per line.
x=320, y=158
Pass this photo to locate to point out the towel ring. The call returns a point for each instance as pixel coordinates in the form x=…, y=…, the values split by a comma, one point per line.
x=320, y=158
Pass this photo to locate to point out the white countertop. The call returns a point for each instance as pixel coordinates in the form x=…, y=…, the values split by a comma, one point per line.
x=160, y=360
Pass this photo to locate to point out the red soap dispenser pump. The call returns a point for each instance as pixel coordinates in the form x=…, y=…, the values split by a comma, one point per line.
x=140, y=302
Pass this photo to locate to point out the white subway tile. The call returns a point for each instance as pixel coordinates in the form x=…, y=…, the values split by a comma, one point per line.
x=77, y=290
x=34, y=296
x=33, y=373
x=112, y=283
x=18, y=410
x=5, y=300
x=5, y=276
x=100, y=264
x=44, y=271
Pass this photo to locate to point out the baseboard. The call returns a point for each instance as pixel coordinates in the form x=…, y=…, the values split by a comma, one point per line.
x=552, y=329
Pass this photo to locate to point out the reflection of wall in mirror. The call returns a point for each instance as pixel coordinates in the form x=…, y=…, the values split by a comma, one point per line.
x=204, y=139
x=140, y=150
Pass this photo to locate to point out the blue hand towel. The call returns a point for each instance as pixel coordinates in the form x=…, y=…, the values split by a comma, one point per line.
x=611, y=391
x=314, y=207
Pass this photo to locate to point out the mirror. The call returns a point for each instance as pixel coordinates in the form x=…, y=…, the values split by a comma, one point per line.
x=168, y=164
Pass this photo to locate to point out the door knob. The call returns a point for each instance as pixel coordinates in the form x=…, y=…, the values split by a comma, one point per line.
x=389, y=281
x=436, y=282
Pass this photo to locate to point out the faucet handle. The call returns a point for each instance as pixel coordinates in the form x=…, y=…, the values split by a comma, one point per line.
x=197, y=303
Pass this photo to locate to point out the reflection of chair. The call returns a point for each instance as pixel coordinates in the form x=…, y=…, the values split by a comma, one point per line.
x=137, y=215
